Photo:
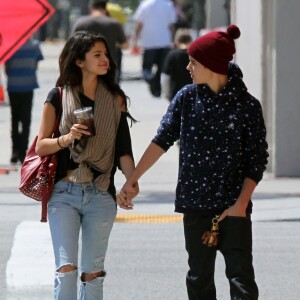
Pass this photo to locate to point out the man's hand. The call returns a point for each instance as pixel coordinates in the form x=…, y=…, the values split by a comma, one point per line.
x=235, y=210
x=241, y=203
x=127, y=193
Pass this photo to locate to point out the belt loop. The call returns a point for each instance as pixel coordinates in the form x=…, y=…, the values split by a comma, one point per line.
x=94, y=187
x=69, y=187
x=83, y=188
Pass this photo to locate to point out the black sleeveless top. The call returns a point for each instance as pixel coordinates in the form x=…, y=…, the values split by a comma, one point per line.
x=123, y=143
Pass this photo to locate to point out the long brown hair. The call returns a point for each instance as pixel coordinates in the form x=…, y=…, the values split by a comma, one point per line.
x=76, y=48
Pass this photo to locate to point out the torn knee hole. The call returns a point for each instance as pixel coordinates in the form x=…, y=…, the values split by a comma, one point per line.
x=67, y=268
x=85, y=277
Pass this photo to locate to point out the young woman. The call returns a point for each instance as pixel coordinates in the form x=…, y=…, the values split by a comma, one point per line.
x=84, y=194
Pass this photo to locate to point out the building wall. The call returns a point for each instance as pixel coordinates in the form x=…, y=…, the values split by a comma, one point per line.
x=216, y=14
x=286, y=160
x=248, y=15
x=268, y=52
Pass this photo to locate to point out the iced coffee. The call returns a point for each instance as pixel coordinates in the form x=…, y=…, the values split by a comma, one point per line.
x=85, y=117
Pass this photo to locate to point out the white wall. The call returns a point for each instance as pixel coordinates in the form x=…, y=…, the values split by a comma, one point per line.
x=247, y=16
x=215, y=14
x=268, y=53
x=287, y=100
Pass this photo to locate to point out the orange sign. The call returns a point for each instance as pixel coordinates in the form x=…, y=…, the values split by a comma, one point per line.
x=18, y=21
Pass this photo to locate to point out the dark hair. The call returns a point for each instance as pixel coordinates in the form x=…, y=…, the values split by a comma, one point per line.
x=98, y=4
x=183, y=36
x=76, y=48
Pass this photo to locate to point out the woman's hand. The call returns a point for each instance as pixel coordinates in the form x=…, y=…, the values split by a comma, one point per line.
x=46, y=144
x=76, y=132
x=127, y=193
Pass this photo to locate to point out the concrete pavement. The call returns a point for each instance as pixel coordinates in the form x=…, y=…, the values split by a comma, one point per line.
x=148, y=261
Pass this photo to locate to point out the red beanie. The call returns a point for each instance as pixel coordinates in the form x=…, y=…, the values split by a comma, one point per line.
x=215, y=50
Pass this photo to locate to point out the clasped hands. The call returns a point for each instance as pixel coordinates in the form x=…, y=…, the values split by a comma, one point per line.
x=126, y=194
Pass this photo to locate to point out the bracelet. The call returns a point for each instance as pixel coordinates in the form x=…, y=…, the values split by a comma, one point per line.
x=61, y=147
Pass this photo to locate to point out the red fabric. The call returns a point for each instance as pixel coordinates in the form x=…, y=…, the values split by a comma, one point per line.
x=18, y=21
x=215, y=50
x=38, y=173
x=37, y=177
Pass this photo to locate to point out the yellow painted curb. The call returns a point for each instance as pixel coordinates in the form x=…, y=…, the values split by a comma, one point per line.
x=146, y=218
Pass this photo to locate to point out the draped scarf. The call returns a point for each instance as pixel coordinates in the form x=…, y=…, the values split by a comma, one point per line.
x=97, y=151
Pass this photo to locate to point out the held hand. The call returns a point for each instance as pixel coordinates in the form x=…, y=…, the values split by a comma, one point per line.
x=132, y=191
x=235, y=210
x=122, y=201
x=127, y=193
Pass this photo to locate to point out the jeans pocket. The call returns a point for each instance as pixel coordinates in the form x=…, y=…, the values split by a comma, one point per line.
x=235, y=221
x=58, y=190
x=237, y=218
x=235, y=230
x=102, y=193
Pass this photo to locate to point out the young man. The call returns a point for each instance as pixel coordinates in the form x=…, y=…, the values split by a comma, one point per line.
x=223, y=154
x=154, y=25
x=174, y=74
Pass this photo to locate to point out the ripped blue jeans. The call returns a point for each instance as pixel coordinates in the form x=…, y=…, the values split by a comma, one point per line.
x=74, y=207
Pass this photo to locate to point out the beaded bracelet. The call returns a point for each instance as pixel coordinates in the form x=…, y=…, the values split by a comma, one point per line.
x=61, y=147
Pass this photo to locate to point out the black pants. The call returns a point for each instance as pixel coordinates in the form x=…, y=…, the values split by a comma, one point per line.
x=154, y=57
x=20, y=105
x=235, y=243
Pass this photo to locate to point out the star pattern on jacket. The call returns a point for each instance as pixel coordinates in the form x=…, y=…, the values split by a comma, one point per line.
x=222, y=141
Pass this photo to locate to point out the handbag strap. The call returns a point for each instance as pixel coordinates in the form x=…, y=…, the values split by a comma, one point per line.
x=58, y=116
x=55, y=134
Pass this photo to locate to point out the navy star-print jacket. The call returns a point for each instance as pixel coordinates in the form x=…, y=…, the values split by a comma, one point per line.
x=222, y=141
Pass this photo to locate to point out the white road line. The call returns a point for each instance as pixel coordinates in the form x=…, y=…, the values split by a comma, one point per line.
x=31, y=263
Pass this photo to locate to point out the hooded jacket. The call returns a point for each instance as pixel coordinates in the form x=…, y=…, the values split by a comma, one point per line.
x=222, y=141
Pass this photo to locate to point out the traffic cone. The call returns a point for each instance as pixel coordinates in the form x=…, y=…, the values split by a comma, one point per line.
x=4, y=170
x=1, y=90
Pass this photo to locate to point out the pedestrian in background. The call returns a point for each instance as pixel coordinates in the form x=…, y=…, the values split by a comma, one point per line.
x=84, y=194
x=21, y=71
x=155, y=26
x=223, y=154
x=175, y=74
x=99, y=22
x=181, y=20
x=116, y=11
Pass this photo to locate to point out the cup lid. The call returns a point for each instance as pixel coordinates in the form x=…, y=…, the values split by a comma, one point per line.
x=83, y=110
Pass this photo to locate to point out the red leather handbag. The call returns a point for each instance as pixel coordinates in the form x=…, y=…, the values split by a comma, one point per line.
x=38, y=173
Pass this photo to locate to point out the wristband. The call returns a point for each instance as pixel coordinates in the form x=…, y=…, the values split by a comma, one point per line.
x=61, y=147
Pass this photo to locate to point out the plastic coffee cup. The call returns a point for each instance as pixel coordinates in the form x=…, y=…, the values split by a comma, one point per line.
x=85, y=117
